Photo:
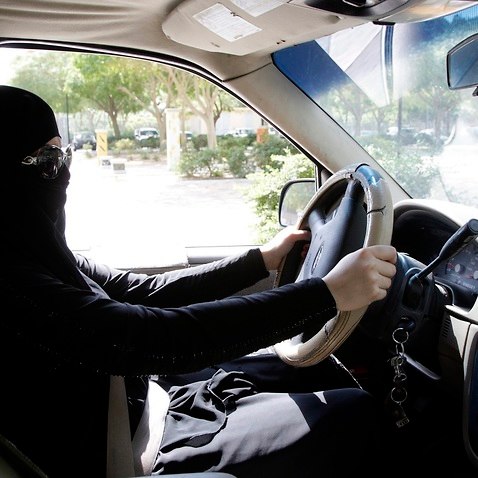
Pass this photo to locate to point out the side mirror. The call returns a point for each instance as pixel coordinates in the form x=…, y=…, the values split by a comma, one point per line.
x=295, y=195
x=462, y=64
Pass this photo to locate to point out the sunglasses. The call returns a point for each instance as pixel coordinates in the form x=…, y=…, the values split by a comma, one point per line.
x=49, y=160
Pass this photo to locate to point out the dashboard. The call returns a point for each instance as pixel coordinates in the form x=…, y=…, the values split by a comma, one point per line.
x=462, y=270
x=421, y=233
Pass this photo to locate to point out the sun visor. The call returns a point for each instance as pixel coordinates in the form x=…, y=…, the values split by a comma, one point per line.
x=241, y=27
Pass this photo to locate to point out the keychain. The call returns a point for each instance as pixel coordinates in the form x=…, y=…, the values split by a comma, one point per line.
x=398, y=394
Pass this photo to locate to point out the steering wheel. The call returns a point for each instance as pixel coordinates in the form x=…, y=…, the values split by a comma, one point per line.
x=352, y=209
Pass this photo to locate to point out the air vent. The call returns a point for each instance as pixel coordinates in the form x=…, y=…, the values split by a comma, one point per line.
x=445, y=329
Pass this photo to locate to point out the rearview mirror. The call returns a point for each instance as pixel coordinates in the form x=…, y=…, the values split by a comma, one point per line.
x=462, y=64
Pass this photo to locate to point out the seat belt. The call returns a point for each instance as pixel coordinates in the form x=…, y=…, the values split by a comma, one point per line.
x=119, y=449
x=15, y=464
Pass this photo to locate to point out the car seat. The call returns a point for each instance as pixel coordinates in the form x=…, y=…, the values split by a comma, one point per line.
x=15, y=464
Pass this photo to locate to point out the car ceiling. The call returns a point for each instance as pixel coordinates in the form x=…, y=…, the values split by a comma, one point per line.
x=229, y=39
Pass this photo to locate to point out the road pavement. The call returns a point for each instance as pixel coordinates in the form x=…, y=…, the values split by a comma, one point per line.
x=147, y=214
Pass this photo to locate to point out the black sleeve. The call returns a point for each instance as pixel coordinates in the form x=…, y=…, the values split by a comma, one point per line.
x=88, y=327
x=182, y=287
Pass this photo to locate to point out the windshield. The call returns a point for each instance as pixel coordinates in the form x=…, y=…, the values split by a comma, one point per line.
x=386, y=86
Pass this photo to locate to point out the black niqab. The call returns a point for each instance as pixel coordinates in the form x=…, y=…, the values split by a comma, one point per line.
x=26, y=123
x=33, y=206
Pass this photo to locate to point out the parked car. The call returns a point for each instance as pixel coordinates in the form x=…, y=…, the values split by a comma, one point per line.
x=145, y=134
x=84, y=138
x=242, y=132
x=188, y=135
x=320, y=72
x=427, y=137
x=404, y=134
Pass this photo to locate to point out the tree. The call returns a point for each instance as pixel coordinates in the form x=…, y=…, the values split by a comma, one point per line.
x=204, y=99
x=76, y=82
x=352, y=101
x=46, y=74
x=382, y=117
x=156, y=93
x=103, y=80
x=441, y=103
x=154, y=88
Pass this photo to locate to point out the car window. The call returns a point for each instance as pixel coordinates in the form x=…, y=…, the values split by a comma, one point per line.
x=163, y=160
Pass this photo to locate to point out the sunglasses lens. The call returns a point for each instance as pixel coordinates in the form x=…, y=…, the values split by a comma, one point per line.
x=49, y=162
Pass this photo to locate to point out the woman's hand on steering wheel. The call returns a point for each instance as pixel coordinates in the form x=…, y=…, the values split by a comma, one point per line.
x=280, y=245
x=362, y=277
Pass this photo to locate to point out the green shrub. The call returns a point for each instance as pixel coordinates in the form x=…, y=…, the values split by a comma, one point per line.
x=231, y=157
x=264, y=153
x=237, y=161
x=124, y=145
x=149, y=143
x=203, y=163
x=199, y=141
x=265, y=187
x=228, y=141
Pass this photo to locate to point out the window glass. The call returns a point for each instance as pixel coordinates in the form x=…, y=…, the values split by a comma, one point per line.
x=386, y=85
x=163, y=159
